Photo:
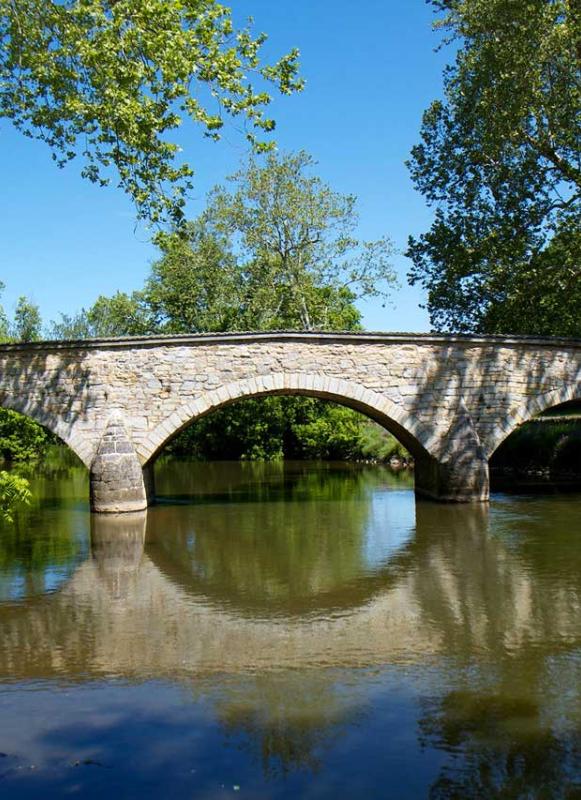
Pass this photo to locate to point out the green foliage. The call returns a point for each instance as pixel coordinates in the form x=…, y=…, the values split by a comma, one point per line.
x=296, y=238
x=248, y=430
x=14, y=492
x=274, y=428
x=21, y=439
x=71, y=328
x=27, y=326
x=553, y=446
x=324, y=431
x=111, y=81
x=199, y=285
x=196, y=284
x=500, y=161
x=4, y=326
x=377, y=444
x=120, y=315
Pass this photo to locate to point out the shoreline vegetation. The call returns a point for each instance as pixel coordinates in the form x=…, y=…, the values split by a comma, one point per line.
x=541, y=453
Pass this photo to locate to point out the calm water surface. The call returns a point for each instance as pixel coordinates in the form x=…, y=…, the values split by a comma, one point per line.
x=305, y=630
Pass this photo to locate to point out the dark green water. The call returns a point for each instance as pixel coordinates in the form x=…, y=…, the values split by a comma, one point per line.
x=298, y=631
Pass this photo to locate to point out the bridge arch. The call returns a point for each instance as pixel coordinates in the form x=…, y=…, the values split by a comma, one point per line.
x=411, y=433
x=526, y=411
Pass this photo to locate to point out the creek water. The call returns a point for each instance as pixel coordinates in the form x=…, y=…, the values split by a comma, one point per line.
x=289, y=630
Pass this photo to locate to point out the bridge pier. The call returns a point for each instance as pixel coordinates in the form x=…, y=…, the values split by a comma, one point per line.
x=463, y=480
x=460, y=474
x=117, y=480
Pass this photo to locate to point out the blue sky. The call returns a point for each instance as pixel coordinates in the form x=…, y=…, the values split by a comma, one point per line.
x=371, y=71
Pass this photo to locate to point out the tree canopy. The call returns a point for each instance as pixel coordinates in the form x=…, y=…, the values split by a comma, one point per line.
x=110, y=81
x=27, y=326
x=500, y=160
x=278, y=250
x=296, y=237
x=14, y=493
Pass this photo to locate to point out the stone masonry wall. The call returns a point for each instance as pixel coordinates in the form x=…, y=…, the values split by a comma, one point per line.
x=419, y=386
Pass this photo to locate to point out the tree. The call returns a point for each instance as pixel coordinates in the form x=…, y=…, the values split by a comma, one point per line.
x=71, y=328
x=296, y=238
x=27, y=325
x=111, y=81
x=500, y=158
x=14, y=492
x=120, y=315
x=196, y=284
x=200, y=285
x=4, y=327
x=278, y=251
x=21, y=438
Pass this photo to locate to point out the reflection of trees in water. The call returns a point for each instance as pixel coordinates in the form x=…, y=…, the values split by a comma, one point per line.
x=503, y=619
x=505, y=598
x=59, y=477
x=543, y=534
x=266, y=555
x=499, y=609
x=285, y=720
x=276, y=546
x=48, y=538
x=256, y=481
x=500, y=747
x=493, y=592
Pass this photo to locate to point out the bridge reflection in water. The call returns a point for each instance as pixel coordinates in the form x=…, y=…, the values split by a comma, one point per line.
x=268, y=606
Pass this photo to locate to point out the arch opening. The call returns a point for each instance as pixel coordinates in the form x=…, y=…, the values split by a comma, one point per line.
x=370, y=404
x=275, y=427
x=543, y=450
x=531, y=409
x=282, y=427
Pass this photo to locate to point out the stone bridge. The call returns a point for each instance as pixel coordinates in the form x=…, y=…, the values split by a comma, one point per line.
x=451, y=400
